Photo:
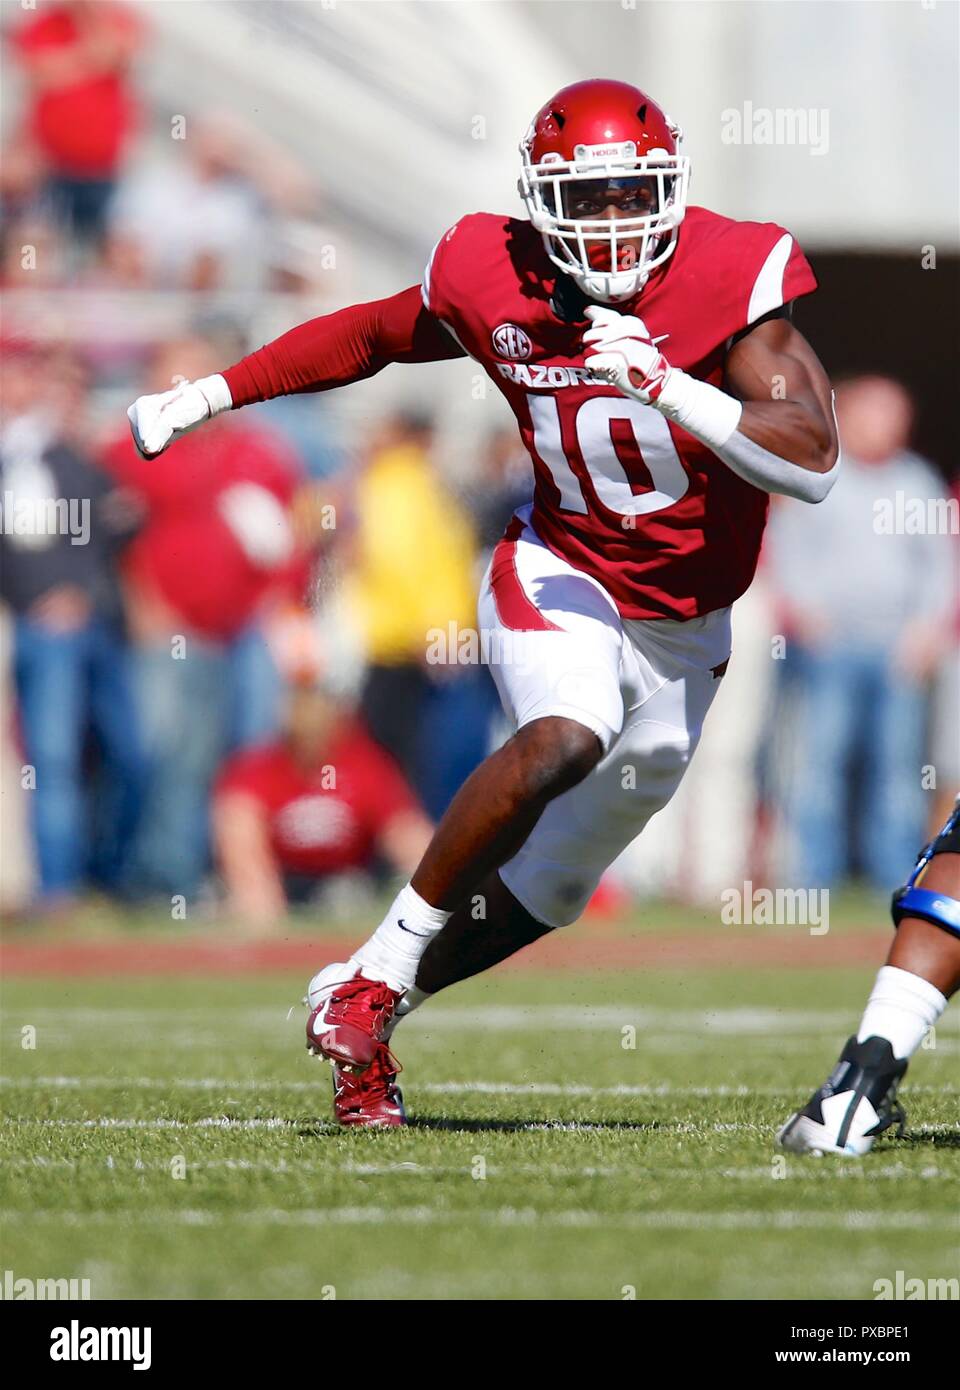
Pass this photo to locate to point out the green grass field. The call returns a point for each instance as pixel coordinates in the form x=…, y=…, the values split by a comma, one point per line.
x=170, y=1138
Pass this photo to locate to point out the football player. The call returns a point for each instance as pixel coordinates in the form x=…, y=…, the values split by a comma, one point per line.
x=647, y=351
x=858, y=1100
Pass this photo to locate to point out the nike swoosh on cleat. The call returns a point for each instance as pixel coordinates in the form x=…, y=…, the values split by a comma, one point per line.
x=422, y=934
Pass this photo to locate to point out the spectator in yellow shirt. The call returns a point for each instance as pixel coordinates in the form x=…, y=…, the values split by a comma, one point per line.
x=413, y=589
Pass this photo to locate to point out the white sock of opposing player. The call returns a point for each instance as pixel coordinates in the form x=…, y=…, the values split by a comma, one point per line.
x=901, y=1008
x=393, y=952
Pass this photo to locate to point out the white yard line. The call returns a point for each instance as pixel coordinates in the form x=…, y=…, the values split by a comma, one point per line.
x=186, y=1047
x=552, y=1171
x=503, y=1216
x=734, y=1020
x=490, y=1088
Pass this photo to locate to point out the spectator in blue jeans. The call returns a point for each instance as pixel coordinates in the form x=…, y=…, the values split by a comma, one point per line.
x=216, y=551
x=865, y=596
x=64, y=523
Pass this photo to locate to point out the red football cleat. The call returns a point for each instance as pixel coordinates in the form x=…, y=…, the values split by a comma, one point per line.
x=372, y=1100
x=347, y=1024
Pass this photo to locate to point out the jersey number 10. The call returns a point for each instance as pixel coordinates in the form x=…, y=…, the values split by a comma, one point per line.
x=597, y=449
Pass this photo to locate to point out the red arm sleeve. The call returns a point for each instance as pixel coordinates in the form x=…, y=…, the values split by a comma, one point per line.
x=338, y=348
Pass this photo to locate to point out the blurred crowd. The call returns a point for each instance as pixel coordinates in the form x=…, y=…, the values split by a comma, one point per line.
x=218, y=687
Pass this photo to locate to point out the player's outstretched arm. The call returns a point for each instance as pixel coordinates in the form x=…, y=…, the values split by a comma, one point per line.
x=773, y=424
x=334, y=350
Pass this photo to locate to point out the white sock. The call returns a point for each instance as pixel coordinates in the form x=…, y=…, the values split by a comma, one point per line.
x=901, y=1008
x=393, y=952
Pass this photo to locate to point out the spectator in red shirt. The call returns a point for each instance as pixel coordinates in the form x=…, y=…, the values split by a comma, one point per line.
x=322, y=800
x=75, y=55
x=216, y=549
x=219, y=536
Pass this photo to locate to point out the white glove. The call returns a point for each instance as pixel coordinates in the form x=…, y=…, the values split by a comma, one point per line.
x=621, y=352
x=156, y=421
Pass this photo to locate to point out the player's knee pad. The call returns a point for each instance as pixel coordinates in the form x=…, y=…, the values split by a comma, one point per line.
x=937, y=908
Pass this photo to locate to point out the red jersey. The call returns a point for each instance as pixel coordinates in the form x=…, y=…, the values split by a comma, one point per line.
x=82, y=125
x=185, y=550
x=621, y=492
x=326, y=819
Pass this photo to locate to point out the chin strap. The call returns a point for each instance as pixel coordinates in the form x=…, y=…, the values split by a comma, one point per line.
x=568, y=300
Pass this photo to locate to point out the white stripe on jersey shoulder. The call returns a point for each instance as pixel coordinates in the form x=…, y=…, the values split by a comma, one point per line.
x=767, y=291
x=425, y=287
x=425, y=296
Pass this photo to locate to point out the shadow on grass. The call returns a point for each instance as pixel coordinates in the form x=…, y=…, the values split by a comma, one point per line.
x=438, y=1122
x=329, y=1129
x=931, y=1138
x=325, y=1129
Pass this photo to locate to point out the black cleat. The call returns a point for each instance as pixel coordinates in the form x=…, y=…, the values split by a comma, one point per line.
x=857, y=1102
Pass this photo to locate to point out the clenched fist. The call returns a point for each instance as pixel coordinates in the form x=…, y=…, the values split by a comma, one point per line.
x=156, y=421
x=621, y=352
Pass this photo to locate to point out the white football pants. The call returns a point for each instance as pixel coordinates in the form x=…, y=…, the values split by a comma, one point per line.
x=557, y=645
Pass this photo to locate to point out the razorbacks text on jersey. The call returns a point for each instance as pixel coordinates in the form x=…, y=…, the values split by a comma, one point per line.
x=621, y=492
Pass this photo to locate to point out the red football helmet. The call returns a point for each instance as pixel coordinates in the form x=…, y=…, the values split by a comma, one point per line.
x=599, y=146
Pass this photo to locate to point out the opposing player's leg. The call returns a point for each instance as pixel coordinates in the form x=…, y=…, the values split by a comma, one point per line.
x=558, y=646
x=858, y=1100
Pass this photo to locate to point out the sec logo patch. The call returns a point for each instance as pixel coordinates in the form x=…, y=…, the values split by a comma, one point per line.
x=510, y=341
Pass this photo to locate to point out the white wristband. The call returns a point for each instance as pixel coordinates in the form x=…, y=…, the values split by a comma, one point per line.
x=712, y=416
x=704, y=410
x=215, y=392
